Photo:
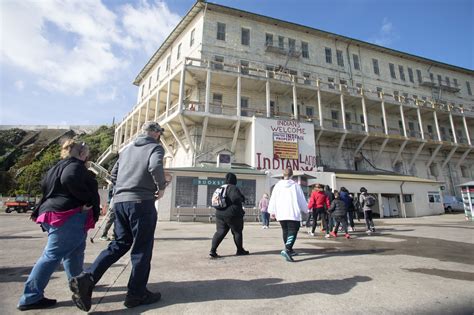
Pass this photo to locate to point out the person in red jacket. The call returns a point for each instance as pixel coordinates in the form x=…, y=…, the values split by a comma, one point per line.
x=317, y=202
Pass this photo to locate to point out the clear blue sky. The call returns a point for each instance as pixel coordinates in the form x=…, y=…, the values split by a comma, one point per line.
x=75, y=63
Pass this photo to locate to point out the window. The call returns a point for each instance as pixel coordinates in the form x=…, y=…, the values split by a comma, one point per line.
x=248, y=189
x=328, y=55
x=355, y=59
x=359, y=85
x=186, y=191
x=335, y=118
x=418, y=75
x=431, y=77
x=412, y=129
x=402, y=73
x=220, y=31
x=343, y=82
x=244, y=67
x=244, y=103
x=158, y=75
x=340, y=59
x=465, y=172
x=448, y=83
x=309, y=111
x=434, y=196
x=375, y=63
x=270, y=70
x=407, y=198
x=178, y=53
x=434, y=169
x=331, y=83
x=348, y=121
x=219, y=62
x=281, y=42
x=379, y=89
x=392, y=70
x=149, y=83
x=268, y=39
x=405, y=97
x=430, y=131
x=168, y=63
x=304, y=50
x=382, y=122
x=361, y=119
x=455, y=82
x=245, y=37
x=291, y=44
x=468, y=86
x=410, y=75
x=191, y=38
x=293, y=72
x=440, y=79
x=306, y=76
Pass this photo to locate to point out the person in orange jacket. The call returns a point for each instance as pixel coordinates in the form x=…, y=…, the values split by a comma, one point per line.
x=317, y=203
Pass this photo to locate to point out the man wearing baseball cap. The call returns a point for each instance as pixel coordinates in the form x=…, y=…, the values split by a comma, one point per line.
x=137, y=175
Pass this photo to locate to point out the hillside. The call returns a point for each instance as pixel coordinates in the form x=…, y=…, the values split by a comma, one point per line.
x=25, y=155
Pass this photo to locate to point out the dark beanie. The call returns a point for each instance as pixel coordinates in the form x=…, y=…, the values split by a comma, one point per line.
x=230, y=178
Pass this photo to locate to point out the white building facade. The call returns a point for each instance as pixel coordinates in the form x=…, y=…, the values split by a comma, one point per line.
x=272, y=94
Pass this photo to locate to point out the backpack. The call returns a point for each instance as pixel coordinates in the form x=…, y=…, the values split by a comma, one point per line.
x=369, y=201
x=218, y=198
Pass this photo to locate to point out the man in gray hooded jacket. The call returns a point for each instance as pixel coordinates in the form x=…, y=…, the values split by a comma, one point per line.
x=137, y=176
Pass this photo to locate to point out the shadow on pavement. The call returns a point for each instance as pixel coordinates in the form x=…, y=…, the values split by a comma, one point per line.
x=448, y=274
x=233, y=289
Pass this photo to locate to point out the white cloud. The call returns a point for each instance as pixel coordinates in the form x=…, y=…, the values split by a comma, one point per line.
x=20, y=85
x=73, y=46
x=386, y=34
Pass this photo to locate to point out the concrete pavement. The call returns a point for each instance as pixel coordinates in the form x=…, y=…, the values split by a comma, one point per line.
x=410, y=266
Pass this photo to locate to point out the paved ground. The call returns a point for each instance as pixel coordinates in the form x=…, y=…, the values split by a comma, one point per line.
x=410, y=266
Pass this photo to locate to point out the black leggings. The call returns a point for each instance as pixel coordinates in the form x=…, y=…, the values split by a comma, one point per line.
x=368, y=219
x=350, y=215
x=340, y=220
x=290, y=231
x=223, y=225
x=318, y=213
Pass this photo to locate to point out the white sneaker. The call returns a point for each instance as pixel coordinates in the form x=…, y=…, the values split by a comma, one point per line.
x=311, y=233
x=369, y=232
x=327, y=236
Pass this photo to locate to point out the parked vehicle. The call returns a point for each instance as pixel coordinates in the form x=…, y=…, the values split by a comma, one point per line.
x=21, y=204
x=453, y=203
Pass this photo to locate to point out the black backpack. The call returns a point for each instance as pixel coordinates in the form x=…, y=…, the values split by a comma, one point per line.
x=218, y=198
x=369, y=201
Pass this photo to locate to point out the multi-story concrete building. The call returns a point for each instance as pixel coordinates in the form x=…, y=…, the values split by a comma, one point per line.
x=262, y=94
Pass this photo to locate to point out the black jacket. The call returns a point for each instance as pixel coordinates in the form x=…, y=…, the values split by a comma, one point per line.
x=68, y=185
x=338, y=208
x=234, y=199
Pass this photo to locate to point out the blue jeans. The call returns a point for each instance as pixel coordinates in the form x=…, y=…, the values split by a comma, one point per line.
x=265, y=218
x=134, y=228
x=66, y=243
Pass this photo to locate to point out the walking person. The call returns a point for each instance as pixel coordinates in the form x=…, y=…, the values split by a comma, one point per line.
x=230, y=218
x=137, y=175
x=367, y=201
x=110, y=217
x=263, y=205
x=338, y=212
x=318, y=203
x=345, y=196
x=69, y=207
x=286, y=204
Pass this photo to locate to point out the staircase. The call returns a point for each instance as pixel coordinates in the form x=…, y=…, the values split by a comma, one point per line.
x=107, y=155
x=100, y=171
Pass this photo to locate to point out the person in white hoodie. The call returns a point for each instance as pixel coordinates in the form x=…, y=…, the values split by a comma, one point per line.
x=286, y=204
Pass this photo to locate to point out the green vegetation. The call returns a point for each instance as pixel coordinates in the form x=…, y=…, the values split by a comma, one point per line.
x=28, y=178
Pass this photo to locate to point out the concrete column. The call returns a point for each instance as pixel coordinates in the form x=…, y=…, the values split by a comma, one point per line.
x=147, y=109
x=452, y=127
x=132, y=125
x=343, y=109
x=402, y=115
x=380, y=200
x=181, y=88
x=420, y=123
x=208, y=90
x=139, y=116
x=239, y=86
x=267, y=95
x=384, y=115
x=364, y=113
x=320, y=107
x=127, y=129
x=168, y=98
x=295, y=100
x=435, y=116
x=468, y=137
x=157, y=104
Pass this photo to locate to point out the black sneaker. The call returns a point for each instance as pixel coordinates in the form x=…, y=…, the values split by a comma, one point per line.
x=147, y=298
x=214, y=255
x=242, y=252
x=43, y=303
x=82, y=287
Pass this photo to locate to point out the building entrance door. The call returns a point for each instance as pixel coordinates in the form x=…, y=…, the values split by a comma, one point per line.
x=391, y=206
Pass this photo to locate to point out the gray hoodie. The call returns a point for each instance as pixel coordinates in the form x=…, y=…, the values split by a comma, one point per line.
x=138, y=172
